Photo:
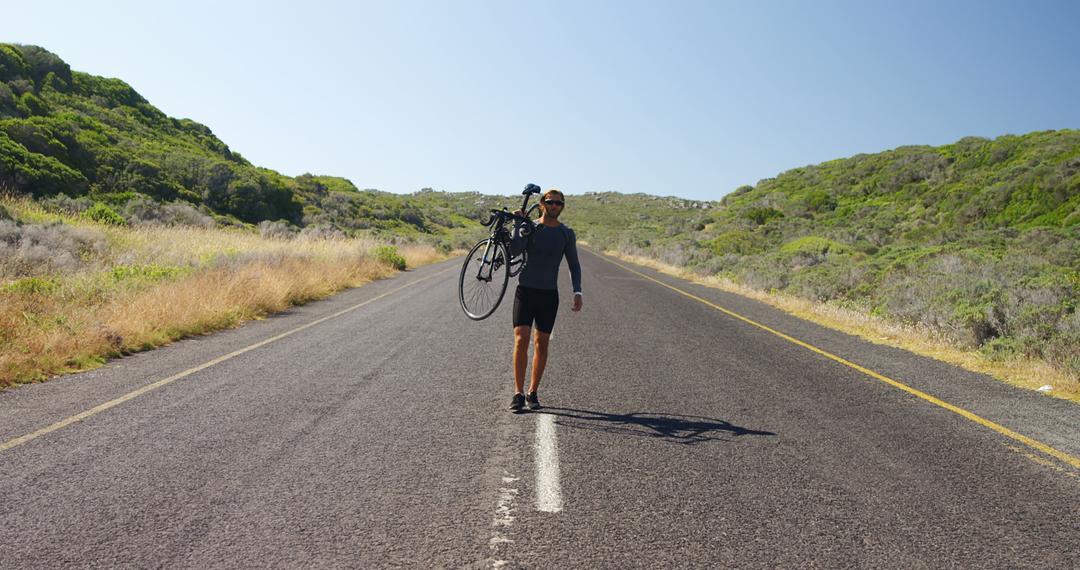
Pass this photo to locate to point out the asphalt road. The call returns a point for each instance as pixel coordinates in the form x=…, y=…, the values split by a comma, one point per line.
x=674, y=435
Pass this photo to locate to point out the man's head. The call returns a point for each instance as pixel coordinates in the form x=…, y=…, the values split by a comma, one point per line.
x=551, y=204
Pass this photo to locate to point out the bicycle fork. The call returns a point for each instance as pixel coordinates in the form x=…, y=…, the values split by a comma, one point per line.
x=484, y=262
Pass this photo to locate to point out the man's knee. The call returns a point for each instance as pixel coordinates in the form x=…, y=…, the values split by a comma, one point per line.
x=542, y=339
x=521, y=335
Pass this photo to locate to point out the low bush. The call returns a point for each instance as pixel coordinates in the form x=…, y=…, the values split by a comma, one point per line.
x=740, y=242
x=389, y=254
x=277, y=229
x=835, y=278
x=146, y=273
x=762, y=215
x=762, y=273
x=31, y=286
x=65, y=204
x=42, y=249
x=102, y=213
x=321, y=232
x=148, y=212
x=812, y=245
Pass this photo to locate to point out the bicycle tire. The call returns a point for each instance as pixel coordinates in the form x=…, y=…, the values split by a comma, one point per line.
x=480, y=296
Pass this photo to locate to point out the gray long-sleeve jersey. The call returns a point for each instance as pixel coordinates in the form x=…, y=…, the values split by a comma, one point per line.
x=546, y=248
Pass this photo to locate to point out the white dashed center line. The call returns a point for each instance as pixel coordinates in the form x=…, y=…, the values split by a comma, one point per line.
x=548, y=492
x=504, y=519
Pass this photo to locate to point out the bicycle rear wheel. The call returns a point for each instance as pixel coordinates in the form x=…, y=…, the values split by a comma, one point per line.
x=483, y=279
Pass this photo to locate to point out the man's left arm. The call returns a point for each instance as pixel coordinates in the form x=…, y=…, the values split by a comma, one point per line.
x=575, y=269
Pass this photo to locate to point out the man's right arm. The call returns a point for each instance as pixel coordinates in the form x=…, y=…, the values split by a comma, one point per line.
x=518, y=242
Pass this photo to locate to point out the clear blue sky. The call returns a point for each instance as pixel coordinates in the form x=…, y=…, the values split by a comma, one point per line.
x=683, y=98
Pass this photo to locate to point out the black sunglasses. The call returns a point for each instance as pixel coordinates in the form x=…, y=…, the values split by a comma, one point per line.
x=554, y=202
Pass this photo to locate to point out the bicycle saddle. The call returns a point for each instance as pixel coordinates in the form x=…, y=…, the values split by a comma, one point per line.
x=531, y=189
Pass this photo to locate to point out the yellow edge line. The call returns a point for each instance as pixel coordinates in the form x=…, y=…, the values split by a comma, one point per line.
x=1032, y=443
x=135, y=394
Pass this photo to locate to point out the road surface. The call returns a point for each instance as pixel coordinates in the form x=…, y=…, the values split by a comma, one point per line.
x=683, y=427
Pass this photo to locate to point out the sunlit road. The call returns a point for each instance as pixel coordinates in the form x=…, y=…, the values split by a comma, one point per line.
x=678, y=432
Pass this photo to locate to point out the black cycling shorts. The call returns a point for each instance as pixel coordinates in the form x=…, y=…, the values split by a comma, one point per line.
x=540, y=305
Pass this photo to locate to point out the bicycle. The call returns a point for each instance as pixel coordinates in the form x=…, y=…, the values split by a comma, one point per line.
x=489, y=266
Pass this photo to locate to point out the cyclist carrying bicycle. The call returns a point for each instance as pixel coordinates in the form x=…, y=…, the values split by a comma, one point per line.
x=536, y=299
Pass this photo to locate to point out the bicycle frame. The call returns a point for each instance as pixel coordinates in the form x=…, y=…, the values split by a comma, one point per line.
x=499, y=234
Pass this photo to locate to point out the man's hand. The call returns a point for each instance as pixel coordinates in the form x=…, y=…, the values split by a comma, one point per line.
x=577, y=303
x=519, y=213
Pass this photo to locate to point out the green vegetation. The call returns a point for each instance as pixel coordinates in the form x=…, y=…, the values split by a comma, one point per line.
x=148, y=273
x=102, y=213
x=978, y=240
x=388, y=254
x=31, y=286
x=66, y=132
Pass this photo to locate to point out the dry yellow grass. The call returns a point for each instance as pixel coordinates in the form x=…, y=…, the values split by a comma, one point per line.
x=67, y=333
x=1030, y=374
x=418, y=255
x=199, y=280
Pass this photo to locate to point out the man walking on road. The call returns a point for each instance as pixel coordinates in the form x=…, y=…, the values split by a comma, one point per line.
x=536, y=299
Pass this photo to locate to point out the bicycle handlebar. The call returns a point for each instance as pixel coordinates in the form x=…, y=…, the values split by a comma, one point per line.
x=496, y=214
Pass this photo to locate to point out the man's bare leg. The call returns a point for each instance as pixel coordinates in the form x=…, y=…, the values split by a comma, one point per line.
x=521, y=356
x=540, y=353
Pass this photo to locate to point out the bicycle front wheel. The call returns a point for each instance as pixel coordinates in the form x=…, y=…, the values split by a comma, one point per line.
x=484, y=276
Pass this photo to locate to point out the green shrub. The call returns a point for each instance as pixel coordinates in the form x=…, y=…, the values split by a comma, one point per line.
x=737, y=242
x=388, y=254
x=103, y=214
x=33, y=173
x=115, y=199
x=4, y=215
x=820, y=201
x=728, y=198
x=1001, y=348
x=762, y=216
x=12, y=63
x=811, y=245
x=1064, y=349
x=29, y=104
x=146, y=273
x=835, y=278
x=32, y=286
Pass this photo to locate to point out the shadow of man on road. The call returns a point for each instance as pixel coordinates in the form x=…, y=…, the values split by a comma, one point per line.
x=687, y=430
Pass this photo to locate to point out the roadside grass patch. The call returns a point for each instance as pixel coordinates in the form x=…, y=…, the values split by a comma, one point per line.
x=75, y=292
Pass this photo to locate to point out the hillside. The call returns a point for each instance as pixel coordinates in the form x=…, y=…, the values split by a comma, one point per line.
x=70, y=140
x=976, y=241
